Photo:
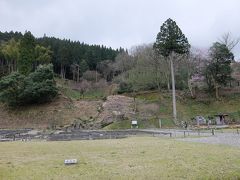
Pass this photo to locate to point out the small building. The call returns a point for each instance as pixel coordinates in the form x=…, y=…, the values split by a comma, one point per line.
x=221, y=119
x=134, y=124
x=200, y=120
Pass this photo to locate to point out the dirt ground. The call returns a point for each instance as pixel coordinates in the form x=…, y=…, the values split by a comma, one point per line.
x=64, y=111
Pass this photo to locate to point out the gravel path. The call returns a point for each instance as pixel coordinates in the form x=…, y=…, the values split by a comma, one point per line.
x=230, y=139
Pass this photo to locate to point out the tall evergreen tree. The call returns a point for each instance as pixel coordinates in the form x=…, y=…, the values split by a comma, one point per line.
x=218, y=71
x=171, y=40
x=27, y=53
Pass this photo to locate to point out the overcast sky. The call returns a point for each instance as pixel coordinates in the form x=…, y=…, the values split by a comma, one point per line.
x=122, y=23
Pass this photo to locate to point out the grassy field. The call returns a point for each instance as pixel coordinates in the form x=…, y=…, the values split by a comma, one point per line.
x=130, y=158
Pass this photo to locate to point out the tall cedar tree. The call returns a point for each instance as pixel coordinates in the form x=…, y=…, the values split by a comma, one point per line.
x=27, y=53
x=170, y=40
x=218, y=71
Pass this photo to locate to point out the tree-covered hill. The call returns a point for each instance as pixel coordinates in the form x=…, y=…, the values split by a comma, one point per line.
x=65, y=54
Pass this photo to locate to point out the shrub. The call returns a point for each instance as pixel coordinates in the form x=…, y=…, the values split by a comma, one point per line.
x=11, y=87
x=124, y=88
x=37, y=87
x=91, y=76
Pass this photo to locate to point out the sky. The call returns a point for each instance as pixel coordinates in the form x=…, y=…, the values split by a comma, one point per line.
x=124, y=23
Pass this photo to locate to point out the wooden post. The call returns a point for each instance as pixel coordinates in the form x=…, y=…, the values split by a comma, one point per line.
x=198, y=132
x=184, y=133
x=160, y=123
x=237, y=131
x=213, y=132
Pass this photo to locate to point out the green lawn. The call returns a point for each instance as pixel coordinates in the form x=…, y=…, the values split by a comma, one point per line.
x=130, y=158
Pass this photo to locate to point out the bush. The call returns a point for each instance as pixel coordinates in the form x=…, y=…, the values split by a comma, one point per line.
x=11, y=87
x=37, y=87
x=91, y=76
x=125, y=88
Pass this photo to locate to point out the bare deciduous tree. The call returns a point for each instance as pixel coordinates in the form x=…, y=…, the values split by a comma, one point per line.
x=229, y=41
x=82, y=87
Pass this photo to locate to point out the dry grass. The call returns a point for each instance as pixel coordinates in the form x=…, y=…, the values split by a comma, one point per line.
x=188, y=108
x=131, y=158
x=61, y=111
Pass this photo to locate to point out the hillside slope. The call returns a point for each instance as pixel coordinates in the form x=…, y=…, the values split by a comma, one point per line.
x=187, y=108
x=62, y=111
x=115, y=112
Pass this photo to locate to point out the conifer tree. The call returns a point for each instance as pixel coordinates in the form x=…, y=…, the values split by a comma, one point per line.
x=171, y=40
x=27, y=52
x=218, y=71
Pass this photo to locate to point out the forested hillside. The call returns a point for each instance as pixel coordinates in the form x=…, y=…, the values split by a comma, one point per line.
x=65, y=55
x=37, y=70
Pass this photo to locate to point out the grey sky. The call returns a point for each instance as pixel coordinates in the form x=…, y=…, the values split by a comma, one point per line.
x=122, y=23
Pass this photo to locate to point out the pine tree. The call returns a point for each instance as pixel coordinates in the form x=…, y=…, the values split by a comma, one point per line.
x=171, y=40
x=218, y=71
x=27, y=52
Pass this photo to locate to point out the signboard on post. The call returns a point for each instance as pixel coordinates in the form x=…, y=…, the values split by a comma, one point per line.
x=134, y=124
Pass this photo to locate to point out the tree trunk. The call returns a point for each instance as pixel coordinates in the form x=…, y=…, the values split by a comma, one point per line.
x=135, y=102
x=191, y=89
x=63, y=71
x=9, y=67
x=157, y=77
x=96, y=76
x=78, y=73
x=217, y=92
x=173, y=91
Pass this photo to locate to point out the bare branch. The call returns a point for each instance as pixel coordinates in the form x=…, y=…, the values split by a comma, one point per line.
x=229, y=41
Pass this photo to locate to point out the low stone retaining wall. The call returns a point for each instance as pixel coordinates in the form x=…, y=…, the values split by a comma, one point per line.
x=26, y=135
